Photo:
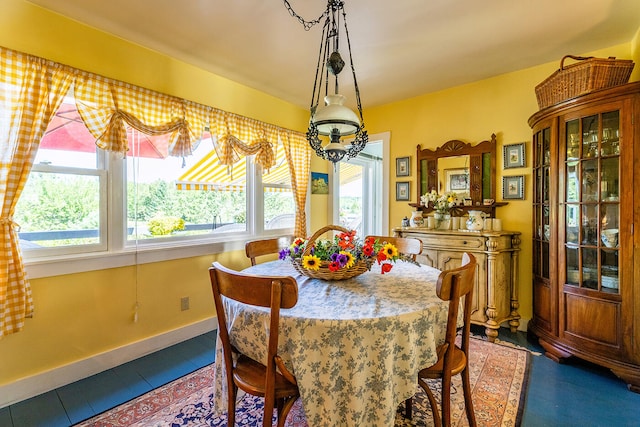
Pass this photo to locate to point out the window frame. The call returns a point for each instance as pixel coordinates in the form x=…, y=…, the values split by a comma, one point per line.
x=70, y=250
x=117, y=251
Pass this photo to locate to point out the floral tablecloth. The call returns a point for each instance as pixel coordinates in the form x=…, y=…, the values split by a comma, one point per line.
x=355, y=346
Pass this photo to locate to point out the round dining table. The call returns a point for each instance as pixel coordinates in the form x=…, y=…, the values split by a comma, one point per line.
x=355, y=346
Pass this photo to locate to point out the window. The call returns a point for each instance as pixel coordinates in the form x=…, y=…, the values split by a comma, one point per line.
x=278, y=201
x=358, y=190
x=63, y=207
x=170, y=196
x=154, y=199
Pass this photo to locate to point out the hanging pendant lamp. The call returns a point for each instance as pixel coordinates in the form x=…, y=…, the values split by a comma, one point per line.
x=332, y=119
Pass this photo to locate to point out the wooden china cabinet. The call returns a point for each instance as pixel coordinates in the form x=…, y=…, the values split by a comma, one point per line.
x=586, y=272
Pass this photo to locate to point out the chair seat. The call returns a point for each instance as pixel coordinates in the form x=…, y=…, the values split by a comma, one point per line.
x=459, y=362
x=249, y=376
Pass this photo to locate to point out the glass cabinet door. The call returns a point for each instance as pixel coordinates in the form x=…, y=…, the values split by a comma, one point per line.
x=542, y=228
x=591, y=201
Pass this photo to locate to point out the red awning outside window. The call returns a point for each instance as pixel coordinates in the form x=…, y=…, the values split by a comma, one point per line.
x=67, y=131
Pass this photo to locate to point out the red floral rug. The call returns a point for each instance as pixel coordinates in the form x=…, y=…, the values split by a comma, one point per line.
x=498, y=378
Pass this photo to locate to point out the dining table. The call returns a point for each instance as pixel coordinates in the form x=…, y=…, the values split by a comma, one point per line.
x=355, y=346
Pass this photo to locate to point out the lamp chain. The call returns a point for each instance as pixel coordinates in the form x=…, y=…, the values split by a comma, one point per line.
x=353, y=70
x=306, y=24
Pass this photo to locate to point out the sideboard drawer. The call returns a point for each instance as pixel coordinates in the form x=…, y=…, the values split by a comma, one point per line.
x=466, y=242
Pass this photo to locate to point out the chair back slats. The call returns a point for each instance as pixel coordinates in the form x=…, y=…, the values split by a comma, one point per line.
x=256, y=290
x=452, y=286
x=405, y=245
x=458, y=281
x=256, y=248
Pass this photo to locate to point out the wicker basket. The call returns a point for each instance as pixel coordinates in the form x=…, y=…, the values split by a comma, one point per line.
x=324, y=273
x=587, y=75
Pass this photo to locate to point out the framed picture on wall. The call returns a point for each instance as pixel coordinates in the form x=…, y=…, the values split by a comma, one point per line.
x=457, y=180
x=513, y=155
x=319, y=183
x=402, y=190
x=403, y=166
x=513, y=187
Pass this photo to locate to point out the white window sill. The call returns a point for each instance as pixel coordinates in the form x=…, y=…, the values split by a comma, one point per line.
x=69, y=264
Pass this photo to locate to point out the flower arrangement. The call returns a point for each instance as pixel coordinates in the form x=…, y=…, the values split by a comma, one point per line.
x=343, y=253
x=442, y=203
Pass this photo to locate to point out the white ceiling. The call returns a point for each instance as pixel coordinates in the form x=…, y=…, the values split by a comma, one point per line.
x=401, y=48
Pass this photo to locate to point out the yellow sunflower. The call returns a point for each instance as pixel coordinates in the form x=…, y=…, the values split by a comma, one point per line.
x=350, y=259
x=390, y=251
x=311, y=262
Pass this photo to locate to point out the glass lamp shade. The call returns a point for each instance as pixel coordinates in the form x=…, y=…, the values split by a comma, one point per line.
x=335, y=151
x=335, y=115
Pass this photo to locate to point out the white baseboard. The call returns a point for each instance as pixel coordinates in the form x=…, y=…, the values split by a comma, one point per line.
x=34, y=385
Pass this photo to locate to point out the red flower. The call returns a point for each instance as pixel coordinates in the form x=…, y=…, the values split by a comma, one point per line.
x=334, y=266
x=370, y=241
x=381, y=256
x=367, y=250
x=386, y=267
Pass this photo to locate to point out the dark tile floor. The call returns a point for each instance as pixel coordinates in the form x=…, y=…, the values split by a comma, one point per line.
x=576, y=394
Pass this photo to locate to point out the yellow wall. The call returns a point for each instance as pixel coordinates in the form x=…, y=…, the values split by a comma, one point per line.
x=635, y=55
x=472, y=112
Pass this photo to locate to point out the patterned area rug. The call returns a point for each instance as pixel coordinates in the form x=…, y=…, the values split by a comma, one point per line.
x=498, y=378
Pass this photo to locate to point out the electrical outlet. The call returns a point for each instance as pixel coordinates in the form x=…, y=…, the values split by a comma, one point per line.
x=184, y=303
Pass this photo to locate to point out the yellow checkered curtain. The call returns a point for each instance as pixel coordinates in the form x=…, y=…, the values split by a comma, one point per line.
x=229, y=150
x=105, y=105
x=236, y=136
x=298, y=155
x=31, y=90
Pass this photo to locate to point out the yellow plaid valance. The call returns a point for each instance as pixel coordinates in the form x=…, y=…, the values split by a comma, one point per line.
x=210, y=174
x=105, y=105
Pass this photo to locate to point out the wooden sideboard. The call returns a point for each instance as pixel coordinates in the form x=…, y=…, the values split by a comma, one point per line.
x=496, y=295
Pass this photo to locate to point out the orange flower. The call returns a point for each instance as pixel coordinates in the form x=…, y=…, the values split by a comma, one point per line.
x=346, y=240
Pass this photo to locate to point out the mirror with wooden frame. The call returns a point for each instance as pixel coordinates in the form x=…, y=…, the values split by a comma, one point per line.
x=468, y=170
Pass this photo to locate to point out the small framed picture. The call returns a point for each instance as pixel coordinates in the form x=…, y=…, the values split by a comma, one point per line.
x=457, y=180
x=319, y=183
x=513, y=187
x=513, y=155
x=403, y=166
x=402, y=190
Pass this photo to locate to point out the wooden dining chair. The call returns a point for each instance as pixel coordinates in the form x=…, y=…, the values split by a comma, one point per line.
x=452, y=285
x=261, y=247
x=406, y=245
x=279, y=389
